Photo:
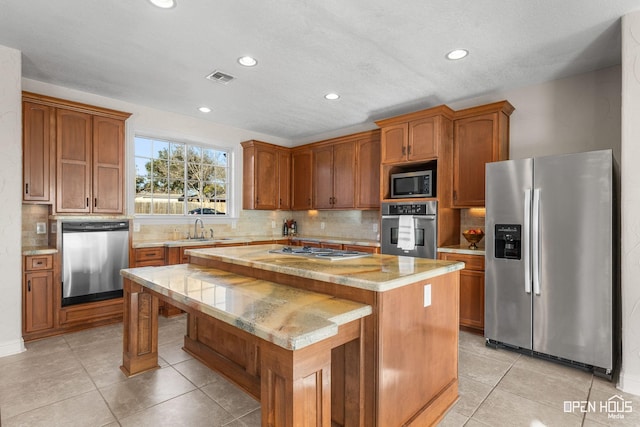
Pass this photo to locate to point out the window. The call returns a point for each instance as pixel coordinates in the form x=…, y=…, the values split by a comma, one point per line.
x=175, y=178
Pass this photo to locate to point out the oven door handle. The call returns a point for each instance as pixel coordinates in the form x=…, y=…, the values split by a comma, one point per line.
x=427, y=217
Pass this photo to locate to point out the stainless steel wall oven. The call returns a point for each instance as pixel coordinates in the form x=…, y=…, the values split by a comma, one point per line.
x=93, y=253
x=409, y=228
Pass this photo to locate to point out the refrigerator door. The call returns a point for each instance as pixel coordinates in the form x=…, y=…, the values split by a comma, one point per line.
x=507, y=279
x=572, y=310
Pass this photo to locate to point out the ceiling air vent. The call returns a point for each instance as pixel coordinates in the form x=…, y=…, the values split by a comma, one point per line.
x=220, y=77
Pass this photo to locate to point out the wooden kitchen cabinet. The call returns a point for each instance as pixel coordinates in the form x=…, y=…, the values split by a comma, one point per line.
x=37, y=294
x=334, y=176
x=301, y=179
x=38, y=148
x=413, y=137
x=368, y=172
x=480, y=136
x=89, y=155
x=471, y=290
x=266, y=176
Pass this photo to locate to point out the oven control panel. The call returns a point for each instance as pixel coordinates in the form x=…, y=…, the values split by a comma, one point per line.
x=419, y=209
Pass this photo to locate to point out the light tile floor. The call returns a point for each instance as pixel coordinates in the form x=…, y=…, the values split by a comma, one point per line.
x=75, y=380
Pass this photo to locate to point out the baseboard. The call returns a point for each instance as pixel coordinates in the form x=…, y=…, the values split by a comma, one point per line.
x=629, y=383
x=12, y=347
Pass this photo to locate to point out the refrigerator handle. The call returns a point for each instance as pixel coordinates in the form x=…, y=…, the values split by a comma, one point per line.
x=535, y=241
x=526, y=234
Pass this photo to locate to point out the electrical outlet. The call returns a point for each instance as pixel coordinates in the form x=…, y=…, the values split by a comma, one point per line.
x=427, y=295
x=136, y=227
x=322, y=226
x=273, y=224
x=41, y=228
x=375, y=227
x=234, y=224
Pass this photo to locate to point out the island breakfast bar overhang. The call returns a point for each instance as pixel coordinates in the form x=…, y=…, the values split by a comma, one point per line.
x=285, y=336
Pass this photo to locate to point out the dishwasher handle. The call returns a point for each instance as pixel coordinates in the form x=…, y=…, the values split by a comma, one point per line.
x=94, y=226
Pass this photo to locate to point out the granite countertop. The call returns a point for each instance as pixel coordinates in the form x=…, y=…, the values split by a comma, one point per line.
x=38, y=250
x=377, y=273
x=462, y=249
x=289, y=317
x=241, y=240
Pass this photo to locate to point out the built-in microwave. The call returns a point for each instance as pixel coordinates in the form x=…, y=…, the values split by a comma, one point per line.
x=413, y=184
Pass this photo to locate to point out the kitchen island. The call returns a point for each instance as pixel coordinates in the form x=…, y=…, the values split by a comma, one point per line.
x=395, y=366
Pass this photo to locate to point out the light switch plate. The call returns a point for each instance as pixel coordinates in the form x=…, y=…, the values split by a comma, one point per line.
x=41, y=228
x=427, y=295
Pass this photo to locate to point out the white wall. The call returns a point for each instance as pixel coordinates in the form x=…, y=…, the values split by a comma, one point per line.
x=570, y=115
x=630, y=201
x=11, y=196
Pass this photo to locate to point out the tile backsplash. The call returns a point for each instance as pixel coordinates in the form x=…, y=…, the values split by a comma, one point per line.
x=31, y=216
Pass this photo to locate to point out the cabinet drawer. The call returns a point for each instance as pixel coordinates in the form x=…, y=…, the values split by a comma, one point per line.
x=472, y=262
x=38, y=262
x=370, y=249
x=149, y=254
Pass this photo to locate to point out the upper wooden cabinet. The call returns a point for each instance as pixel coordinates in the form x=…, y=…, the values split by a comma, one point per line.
x=301, y=179
x=334, y=175
x=38, y=171
x=88, y=143
x=481, y=136
x=266, y=176
x=413, y=137
x=368, y=172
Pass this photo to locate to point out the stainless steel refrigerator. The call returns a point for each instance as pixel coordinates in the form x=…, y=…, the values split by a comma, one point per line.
x=549, y=257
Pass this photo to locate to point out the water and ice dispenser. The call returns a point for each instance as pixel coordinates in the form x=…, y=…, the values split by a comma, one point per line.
x=508, y=238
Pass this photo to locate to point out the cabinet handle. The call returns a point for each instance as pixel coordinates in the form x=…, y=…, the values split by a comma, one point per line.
x=28, y=285
x=404, y=150
x=87, y=202
x=408, y=149
x=309, y=201
x=26, y=188
x=95, y=202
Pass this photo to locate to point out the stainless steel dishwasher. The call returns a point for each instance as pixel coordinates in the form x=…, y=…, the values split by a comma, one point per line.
x=93, y=253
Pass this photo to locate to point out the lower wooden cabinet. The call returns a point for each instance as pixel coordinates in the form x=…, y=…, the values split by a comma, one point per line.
x=471, y=290
x=38, y=301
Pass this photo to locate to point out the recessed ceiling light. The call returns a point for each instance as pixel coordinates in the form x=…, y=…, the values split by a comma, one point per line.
x=204, y=109
x=457, y=54
x=247, y=61
x=164, y=4
x=332, y=96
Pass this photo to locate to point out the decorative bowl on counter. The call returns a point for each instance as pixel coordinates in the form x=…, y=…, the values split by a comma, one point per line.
x=473, y=237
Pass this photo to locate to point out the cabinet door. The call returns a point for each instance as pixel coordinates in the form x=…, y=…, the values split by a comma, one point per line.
x=473, y=147
x=344, y=177
x=108, y=161
x=422, y=140
x=302, y=176
x=266, y=175
x=37, y=146
x=472, y=298
x=394, y=140
x=73, y=139
x=38, y=301
x=323, y=177
x=368, y=174
x=284, y=179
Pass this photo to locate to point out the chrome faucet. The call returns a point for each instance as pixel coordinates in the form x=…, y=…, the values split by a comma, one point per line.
x=195, y=228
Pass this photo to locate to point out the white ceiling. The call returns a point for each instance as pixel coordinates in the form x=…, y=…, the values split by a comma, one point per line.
x=384, y=58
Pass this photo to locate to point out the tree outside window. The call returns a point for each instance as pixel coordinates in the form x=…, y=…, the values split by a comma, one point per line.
x=175, y=178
